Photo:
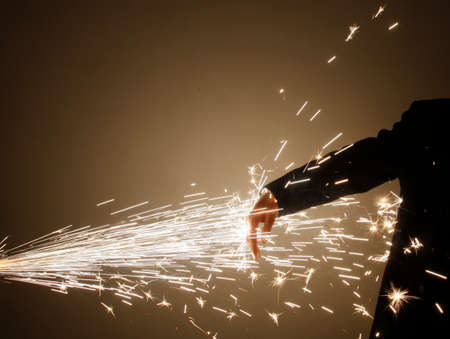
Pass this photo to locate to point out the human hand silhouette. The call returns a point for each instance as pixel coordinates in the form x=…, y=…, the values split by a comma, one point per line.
x=265, y=211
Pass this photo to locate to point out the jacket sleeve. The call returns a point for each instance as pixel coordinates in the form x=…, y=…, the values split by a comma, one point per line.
x=361, y=166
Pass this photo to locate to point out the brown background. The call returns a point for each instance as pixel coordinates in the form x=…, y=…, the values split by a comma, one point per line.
x=136, y=101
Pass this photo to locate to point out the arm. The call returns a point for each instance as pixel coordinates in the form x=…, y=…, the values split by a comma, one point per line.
x=367, y=164
x=356, y=168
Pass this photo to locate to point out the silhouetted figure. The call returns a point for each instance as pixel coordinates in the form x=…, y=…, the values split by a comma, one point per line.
x=414, y=151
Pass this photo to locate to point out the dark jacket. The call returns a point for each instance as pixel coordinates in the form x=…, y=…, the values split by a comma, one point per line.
x=414, y=151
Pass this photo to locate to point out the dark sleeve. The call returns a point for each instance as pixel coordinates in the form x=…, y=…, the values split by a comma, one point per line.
x=359, y=167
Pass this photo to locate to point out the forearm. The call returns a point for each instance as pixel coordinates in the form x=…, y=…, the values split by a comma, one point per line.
x=369, y=162
x=354, y=169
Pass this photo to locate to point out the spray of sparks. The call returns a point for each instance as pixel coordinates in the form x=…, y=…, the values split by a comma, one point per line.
x=191, y=246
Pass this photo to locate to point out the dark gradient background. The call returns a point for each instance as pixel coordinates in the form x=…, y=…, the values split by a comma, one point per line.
x=136, y=101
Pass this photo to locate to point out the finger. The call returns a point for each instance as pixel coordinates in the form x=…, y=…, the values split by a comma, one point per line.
x=253, y=245
x=252, y=240
x=269, y=220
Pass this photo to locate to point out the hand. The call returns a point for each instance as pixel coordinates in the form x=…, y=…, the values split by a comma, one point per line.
x=264, y=211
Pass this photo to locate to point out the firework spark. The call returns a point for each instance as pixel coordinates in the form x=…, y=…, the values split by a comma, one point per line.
x=438, y=275
x=362, y=310
x=274, y=316
x=391, y=27
x=327, y=309
x=109, y=309
x=332, y=140
x=283, y=144
x=253, y=276
x=315, y=115
x=439, y=308
x=353, y=29
x=301, y=108
x=379, y=11
x=330, y=60
x=398, y=298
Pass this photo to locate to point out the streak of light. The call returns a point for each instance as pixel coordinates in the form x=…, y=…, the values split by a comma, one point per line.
x=326, y=309
x=196, y=326
x=292, y=305
x=315, y=115
x=289, y=166
x=226, y=278
x=353, y=29
x=105, y=202
x=194, y=194
x=441, y=276
x=349, y=276
x=298, y=181
x=332, y=140
x=362, y=310
x=234, y=298
x=391, y=27
x=324, y=159
x=284, y=142
x=308, y=278
x=340, y=181
x=109, y=309
x=344, y=149
x=379, y=11
x=439, y=308
x=219, y=309
x=330, y=60
x=129, y=208
x=301, y=108
x=245, y=312
x=342, y=268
